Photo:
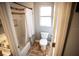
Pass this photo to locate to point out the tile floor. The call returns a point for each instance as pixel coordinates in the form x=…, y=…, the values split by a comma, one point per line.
x=35, y=50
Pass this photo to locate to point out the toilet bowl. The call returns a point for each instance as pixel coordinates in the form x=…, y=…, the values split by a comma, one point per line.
x=43, y=41
x=43, y=44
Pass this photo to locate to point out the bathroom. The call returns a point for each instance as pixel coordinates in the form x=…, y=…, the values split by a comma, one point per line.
x=32, y=27
x=43, y=17
x=37, y=22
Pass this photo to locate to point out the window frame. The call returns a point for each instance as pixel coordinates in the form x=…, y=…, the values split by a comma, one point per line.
x=46, y=16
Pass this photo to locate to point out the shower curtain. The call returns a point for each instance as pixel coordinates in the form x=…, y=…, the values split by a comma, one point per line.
x=29, y=22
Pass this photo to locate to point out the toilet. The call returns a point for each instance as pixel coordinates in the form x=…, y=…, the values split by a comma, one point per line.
x=43, y=41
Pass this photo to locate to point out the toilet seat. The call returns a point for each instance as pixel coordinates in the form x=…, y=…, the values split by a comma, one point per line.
x=43, y=42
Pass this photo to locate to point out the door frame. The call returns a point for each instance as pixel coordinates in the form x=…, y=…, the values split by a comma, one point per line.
x=61, y=15
x=8, y=26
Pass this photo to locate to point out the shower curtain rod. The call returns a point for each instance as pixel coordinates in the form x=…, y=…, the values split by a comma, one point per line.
x=23, y=5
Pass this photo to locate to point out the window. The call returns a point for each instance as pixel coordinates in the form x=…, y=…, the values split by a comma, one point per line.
x=45, y=16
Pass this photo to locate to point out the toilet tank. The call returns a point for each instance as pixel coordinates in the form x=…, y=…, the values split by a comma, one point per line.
x=44, y=35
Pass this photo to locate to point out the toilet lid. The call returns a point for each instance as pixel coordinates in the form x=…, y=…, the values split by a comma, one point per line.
x=43, y=42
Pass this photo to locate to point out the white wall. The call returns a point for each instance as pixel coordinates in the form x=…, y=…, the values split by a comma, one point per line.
x=38, y=28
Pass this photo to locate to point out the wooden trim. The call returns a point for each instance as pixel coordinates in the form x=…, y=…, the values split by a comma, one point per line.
x=69, y=24
x=22, y=5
